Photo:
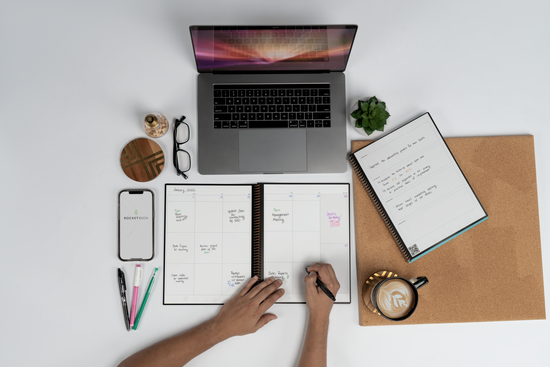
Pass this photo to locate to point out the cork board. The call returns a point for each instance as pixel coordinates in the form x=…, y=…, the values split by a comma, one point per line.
x=142, y=160
x=493, y=272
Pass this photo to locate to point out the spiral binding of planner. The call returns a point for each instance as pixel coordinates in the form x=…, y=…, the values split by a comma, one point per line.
x=257, y=230
x=379, y=207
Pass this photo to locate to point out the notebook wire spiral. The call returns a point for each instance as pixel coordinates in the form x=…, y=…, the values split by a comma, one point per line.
x=379, y=207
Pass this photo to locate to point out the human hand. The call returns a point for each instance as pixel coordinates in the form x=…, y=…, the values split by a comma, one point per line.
x=245, y=312
x=317, y=301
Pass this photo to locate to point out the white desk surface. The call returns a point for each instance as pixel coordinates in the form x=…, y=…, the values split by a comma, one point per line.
x=76, y=78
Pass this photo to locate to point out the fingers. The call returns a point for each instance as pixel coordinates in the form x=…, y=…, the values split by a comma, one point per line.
x=260, y=287
x=331, y=272
x=310, y=279
x=325, y=271
x=268, y=290
x=244, y=290
x=311, y=283
x=269, y=301
x=327, y=275
x=321, y=268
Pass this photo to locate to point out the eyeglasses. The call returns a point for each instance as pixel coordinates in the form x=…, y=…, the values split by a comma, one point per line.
x=182, y=159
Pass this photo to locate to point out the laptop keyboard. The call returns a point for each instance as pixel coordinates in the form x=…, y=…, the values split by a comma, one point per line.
x=252, y=106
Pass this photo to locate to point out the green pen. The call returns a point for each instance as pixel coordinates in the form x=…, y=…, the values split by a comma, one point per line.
x=149, y=287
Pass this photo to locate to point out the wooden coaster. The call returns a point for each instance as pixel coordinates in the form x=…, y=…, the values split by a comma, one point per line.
x=142, y=160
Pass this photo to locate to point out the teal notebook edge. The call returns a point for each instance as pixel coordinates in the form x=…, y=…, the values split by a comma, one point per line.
x=448, y=239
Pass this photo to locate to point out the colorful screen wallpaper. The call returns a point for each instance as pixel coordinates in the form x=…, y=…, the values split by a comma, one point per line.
x=272, y=48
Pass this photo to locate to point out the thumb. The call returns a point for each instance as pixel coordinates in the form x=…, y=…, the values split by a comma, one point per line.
x=266, y=318
x=310, y=279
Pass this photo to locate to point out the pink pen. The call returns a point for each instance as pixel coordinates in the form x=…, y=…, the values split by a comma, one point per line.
x=137, y=280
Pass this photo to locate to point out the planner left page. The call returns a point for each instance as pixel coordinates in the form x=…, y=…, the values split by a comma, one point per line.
x=207, y=242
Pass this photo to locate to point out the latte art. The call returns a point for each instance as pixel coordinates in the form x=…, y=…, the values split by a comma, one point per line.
x=395, y=298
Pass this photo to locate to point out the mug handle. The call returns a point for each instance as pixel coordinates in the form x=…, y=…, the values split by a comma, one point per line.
x=419, y=282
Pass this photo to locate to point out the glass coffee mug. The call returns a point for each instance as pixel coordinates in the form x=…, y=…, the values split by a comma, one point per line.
x=391, y=296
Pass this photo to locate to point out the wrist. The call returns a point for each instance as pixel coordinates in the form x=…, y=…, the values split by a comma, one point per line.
x=216, y=331
x=320, y=319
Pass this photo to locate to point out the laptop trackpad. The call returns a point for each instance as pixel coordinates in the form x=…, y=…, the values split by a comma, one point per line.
x=272, y=150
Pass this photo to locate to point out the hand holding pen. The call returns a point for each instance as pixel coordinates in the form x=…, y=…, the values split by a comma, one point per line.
x=321, y=288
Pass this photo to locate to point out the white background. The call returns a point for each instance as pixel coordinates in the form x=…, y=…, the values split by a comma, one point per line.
x=76, y=79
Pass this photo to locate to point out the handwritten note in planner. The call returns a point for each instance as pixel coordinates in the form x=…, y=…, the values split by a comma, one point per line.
x=305, y=224
x=207, y=243
x=420, y=185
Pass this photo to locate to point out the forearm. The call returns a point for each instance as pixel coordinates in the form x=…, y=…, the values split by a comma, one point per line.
x=314, y=352
x=243, y=314
x=179, y=349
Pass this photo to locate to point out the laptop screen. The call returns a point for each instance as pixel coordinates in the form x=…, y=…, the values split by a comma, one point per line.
x=272, y=48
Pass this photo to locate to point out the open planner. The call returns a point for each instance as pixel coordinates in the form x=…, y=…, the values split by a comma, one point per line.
x=418, y=188
x=218, y=236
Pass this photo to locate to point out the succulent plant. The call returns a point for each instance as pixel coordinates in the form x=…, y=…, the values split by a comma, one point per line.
x=371, y=115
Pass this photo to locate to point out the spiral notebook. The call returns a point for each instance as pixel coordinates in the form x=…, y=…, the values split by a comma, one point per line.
x=418, y=187
x=218, y=236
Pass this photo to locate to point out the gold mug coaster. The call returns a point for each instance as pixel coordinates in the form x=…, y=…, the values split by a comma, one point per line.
x=142, y=159
x=370, y=283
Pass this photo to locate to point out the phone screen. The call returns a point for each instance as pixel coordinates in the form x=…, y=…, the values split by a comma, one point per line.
x=136, y=220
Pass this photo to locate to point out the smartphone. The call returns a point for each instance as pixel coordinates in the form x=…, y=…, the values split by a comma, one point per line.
x=136, y=225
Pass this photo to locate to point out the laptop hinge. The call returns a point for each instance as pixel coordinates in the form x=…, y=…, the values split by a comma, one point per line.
x=271, y=72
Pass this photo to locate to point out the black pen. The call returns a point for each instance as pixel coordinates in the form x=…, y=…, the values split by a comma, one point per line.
x=122, y=287
x=323, y=287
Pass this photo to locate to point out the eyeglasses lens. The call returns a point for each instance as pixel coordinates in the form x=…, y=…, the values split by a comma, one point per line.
x=184, y=161
x=182, y=133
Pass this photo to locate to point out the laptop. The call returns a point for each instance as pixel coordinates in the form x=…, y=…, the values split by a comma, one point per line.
x=272, y=99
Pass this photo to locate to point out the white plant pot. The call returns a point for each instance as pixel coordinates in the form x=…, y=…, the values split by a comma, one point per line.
x=360, y=130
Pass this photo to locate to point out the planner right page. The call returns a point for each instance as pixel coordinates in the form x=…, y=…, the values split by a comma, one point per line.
x=305, y=224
